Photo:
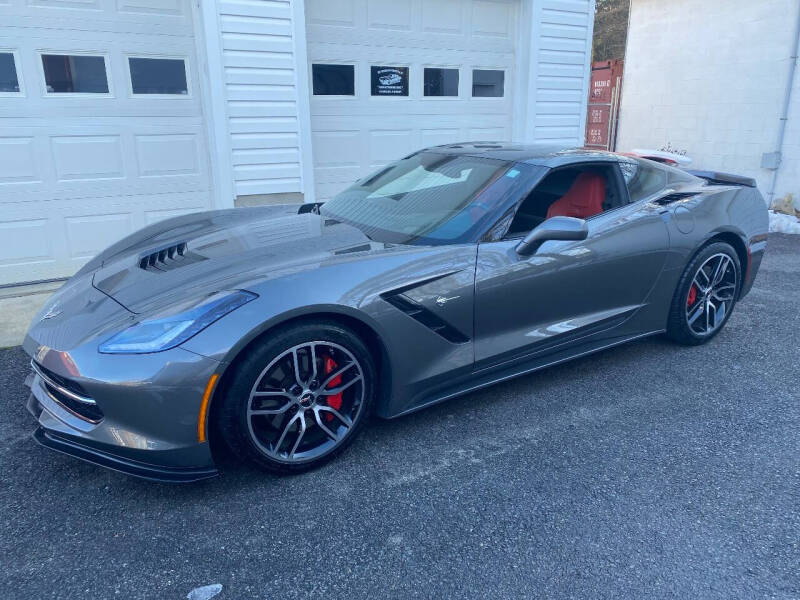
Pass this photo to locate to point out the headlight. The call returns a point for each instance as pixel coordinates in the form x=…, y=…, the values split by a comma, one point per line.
x=170, y=329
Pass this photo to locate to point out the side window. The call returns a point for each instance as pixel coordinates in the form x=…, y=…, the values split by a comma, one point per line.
x=581, y=192
x=643, y=178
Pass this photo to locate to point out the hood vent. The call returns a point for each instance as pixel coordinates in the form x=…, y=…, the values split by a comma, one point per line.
x=169, y=258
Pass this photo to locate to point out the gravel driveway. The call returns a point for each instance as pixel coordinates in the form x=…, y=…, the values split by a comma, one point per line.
x=645, y=471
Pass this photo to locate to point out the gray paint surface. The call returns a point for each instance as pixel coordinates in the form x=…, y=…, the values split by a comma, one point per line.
x=518, y=313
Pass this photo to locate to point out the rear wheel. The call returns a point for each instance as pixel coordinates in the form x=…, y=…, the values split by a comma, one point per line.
x=298, y=399
x=705, y=296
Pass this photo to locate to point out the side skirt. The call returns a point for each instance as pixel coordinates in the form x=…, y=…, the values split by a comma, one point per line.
x=487, y=379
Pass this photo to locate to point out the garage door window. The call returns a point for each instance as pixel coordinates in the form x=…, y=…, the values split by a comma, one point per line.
x=9, y=81
x=333, y=80
x=441, y=82
x=158, y=76
x=75, y=74
x=487, y=83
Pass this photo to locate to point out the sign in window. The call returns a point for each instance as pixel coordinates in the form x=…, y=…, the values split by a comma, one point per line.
x=389, y=81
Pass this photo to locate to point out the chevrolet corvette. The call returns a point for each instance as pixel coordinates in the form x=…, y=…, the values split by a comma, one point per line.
x=278, y=331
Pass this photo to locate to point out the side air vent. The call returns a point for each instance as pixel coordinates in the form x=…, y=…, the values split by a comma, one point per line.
x=166, y=259
x=676, y=197
x=426, y=317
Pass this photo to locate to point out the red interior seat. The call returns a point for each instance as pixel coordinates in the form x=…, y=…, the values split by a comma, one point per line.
x=584, y=198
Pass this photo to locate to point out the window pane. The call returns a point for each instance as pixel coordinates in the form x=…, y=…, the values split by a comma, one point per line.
x=8, y=73
x=441, y=82
x=158, y=76
x=75, y=74
x=487, y=83
x=333, y=80
x=647, y=179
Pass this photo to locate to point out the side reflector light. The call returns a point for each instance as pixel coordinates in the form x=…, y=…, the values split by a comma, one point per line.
x=203, y=415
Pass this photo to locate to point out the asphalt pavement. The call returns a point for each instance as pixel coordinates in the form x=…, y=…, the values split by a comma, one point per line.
x=645, y=471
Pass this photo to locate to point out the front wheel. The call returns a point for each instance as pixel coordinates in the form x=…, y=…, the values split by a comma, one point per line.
x=299, y=398
x=705, y=296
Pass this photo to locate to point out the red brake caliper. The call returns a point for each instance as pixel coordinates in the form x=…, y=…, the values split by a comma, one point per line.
x=334, y=401
x=692, y=295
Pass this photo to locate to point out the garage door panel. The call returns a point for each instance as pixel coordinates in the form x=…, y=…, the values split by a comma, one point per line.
x=352, y=136
x=25, y=241
x=77, y=172
x=88, y=235
x=84, y=157
x=443, y=16
x=438, y=137
x=43, y=240
x=389, y=14
x=167, y=154
x=17, y=160
x=390, y=41
x=493, y=19
x=387, y=145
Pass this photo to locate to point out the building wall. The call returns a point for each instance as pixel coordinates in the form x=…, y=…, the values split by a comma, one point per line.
x=265, y=80
x=265, y=85
x=709, y=78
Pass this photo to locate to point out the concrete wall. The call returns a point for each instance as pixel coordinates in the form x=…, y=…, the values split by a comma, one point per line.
x=708, y=77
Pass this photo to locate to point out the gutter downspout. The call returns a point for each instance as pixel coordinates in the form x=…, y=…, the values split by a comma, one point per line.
x=786, y=104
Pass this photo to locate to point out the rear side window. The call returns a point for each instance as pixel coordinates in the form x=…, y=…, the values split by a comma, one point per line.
x=643, y=178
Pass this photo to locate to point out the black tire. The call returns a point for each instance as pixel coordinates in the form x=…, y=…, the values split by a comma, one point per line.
x=678, y=327
x=242, y=436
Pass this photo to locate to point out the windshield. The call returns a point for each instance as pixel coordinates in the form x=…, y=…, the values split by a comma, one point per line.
x=424, y=198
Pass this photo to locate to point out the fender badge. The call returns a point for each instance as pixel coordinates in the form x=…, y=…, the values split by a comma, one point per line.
x=54, y=311
x=441, y=300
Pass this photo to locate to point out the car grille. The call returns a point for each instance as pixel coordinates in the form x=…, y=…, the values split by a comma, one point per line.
x=69, y=394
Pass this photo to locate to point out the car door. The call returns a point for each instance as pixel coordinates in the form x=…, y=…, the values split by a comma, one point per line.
x=526, y=306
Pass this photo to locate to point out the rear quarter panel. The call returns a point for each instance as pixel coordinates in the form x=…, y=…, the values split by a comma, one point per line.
x=735, y=213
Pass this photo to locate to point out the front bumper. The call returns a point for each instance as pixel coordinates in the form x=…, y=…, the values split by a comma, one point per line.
x=149, y=405
x=59, y=443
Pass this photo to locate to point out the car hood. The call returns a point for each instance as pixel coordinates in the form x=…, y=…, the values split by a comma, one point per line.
x=207, y=252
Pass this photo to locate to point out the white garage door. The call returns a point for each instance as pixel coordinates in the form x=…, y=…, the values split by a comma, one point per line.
x=101, y=128
x=392, y=76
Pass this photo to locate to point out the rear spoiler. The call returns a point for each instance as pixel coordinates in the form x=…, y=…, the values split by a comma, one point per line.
x=717, y=178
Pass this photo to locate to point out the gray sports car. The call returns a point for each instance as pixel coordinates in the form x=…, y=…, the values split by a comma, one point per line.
x=277, y=331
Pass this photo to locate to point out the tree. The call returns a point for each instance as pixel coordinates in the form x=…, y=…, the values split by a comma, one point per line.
x=610, y=29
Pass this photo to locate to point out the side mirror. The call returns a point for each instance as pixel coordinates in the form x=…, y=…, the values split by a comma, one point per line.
x=554, y=228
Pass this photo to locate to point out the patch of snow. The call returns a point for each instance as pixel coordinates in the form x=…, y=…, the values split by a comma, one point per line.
x=782, y=223
x=204, y=592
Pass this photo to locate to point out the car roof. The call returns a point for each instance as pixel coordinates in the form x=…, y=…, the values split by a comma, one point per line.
x=546, y=155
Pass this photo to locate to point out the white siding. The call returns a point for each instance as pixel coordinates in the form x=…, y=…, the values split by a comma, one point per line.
x=554, y=110
x=712, y=84
x=258, y=58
